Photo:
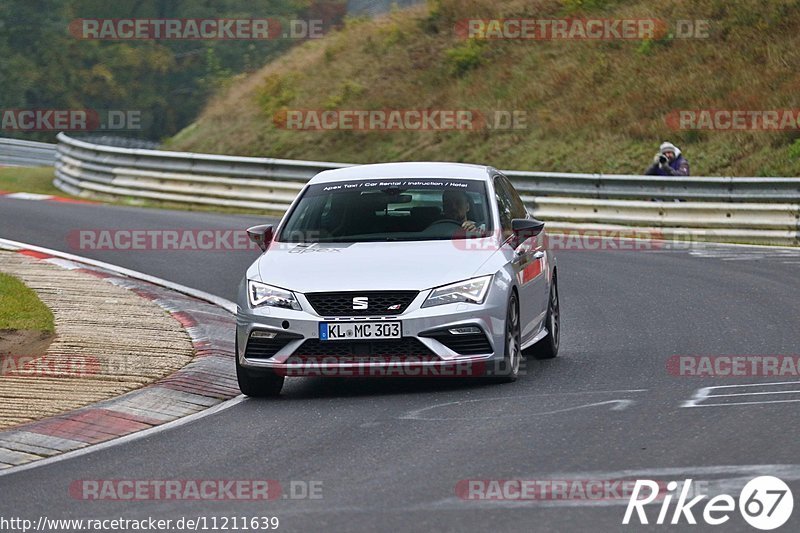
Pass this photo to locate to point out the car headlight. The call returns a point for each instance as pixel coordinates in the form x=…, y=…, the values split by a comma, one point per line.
x=471, y=291
x=263, y=294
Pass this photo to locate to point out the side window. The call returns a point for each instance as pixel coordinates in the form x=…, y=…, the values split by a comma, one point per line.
x=504, y=206
x=517, y=205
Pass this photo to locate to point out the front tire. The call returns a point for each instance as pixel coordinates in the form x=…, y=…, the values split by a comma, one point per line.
x=507, y=370
x=259, y=383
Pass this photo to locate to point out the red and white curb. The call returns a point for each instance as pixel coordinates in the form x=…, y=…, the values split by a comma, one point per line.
x=205, y=385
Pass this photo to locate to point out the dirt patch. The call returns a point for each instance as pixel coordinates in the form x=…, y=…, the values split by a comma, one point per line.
x=24, y=342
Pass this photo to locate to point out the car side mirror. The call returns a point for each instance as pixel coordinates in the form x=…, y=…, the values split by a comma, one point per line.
x=525, y=228
x=261, y=235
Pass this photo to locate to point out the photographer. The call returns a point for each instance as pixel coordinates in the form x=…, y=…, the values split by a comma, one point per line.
x=668, y=162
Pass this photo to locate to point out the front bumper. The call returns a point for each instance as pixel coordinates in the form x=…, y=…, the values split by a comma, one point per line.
x=297, y=331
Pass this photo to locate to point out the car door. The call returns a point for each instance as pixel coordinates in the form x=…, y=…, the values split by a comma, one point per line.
x=528, y=260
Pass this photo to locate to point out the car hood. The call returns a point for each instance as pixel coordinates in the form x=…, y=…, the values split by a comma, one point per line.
x=415, y=265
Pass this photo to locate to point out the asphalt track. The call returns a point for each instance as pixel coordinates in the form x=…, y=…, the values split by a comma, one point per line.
x=389, y=453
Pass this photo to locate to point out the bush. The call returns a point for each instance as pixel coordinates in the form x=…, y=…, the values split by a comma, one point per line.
x=276, y=92
x=794, y=150
x=465, y=57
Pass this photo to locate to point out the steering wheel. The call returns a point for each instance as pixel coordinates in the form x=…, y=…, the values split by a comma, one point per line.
x=444, y=221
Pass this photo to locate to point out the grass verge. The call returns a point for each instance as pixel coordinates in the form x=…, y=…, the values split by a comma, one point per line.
x=37, y=180
x=21, y=309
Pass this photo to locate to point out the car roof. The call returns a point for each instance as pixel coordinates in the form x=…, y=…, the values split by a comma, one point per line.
x=405, y=170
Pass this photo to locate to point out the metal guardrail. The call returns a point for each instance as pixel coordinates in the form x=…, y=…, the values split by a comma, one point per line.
x=229, y=181
x=18, y=153
x=726, y=209
x=618, y=186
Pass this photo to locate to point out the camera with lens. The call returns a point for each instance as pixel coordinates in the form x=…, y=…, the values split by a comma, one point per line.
x=662, y=159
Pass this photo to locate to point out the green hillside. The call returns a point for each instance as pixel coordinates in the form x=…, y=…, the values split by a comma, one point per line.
x=591, y=105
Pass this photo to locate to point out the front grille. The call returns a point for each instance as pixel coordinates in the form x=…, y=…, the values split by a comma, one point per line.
x=263, y=348
x=395, y=349
x=379, y=303
x=469, y=344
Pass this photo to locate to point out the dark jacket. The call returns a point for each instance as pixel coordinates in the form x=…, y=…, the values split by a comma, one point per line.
x=678, y=167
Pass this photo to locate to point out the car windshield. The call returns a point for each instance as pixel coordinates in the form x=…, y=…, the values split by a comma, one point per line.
x=403, y=209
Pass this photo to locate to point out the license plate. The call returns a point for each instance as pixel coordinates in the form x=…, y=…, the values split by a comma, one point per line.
x=359, y=330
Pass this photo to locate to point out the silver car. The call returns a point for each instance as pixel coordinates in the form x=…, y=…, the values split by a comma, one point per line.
x=398, y=269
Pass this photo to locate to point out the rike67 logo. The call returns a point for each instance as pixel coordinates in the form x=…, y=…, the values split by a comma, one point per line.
x=765, y=503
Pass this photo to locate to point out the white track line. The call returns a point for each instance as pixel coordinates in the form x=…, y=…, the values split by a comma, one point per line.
x=127, y=438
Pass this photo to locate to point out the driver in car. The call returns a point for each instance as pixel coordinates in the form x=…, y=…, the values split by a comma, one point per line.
x=455, y=206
